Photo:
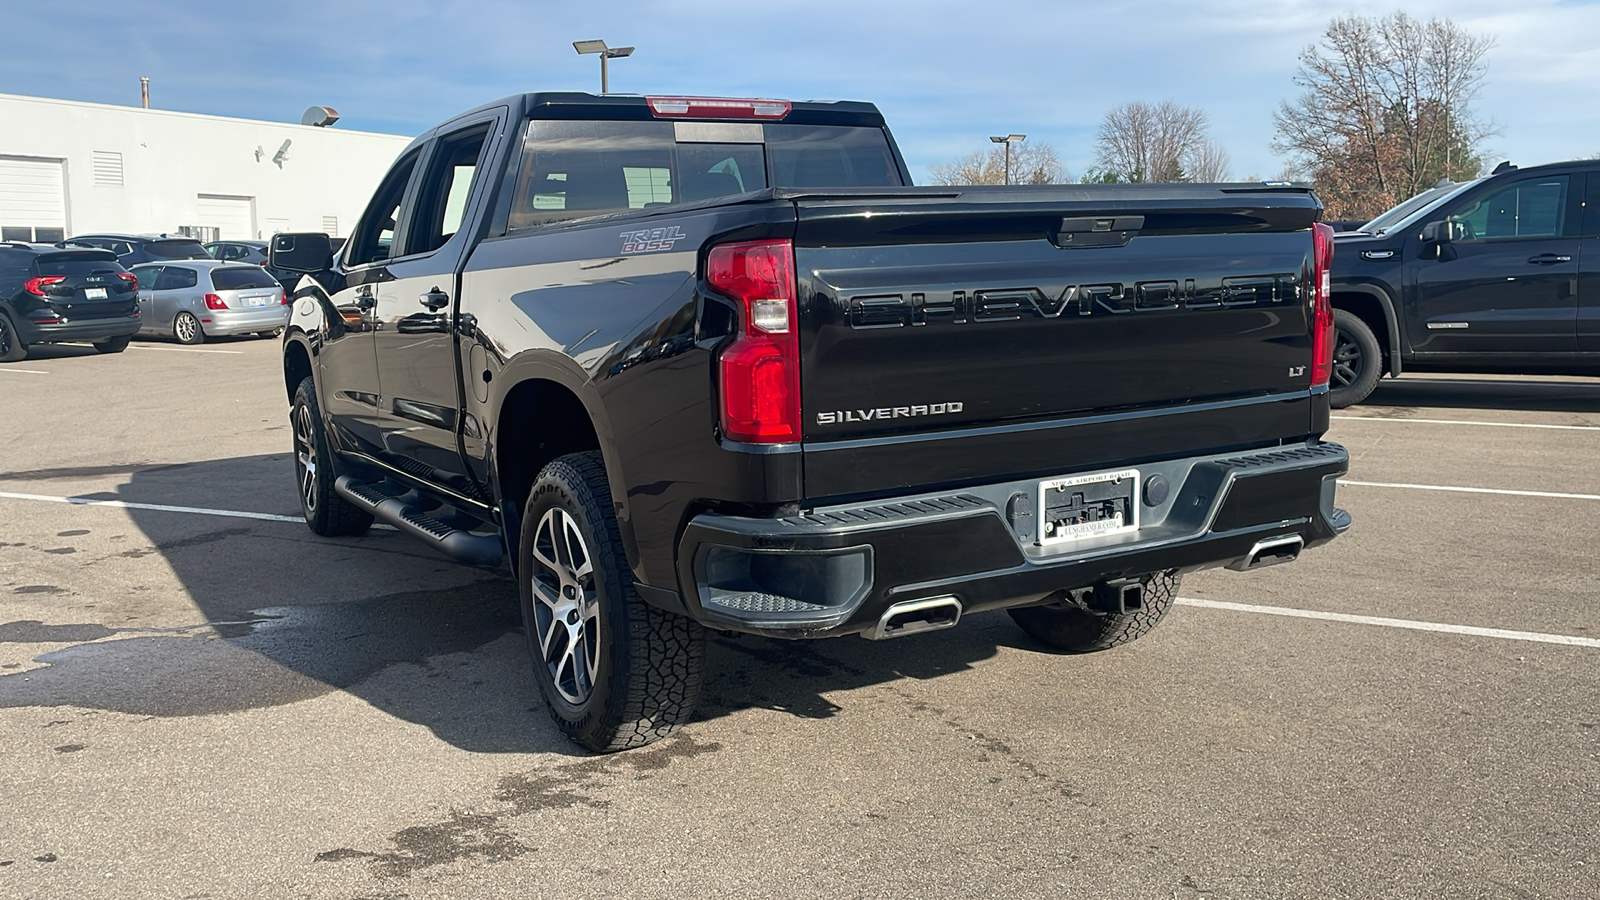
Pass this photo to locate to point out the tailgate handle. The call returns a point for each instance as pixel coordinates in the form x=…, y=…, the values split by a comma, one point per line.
x=1096, y=231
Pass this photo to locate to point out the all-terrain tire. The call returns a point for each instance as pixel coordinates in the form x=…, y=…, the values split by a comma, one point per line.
x=12, y=349
x=327, y=513
x=112, y=345
x=1074, y=629
x=615, y=672
x=1357, y=360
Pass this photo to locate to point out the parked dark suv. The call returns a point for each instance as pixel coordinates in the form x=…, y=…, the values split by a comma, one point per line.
x=134, y=249
x=1501, y=274
x=49, y=294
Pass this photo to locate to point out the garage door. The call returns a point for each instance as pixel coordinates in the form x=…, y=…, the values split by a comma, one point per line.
x=232, y=217
x=33, y=199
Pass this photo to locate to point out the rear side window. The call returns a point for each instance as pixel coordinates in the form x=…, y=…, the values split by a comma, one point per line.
x=147, y=276
x=823, y=156
x=177, y=250
x=174, y=278
x=235, y=278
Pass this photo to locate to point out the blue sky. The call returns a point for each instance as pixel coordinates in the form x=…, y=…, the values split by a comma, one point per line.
x=946, y=74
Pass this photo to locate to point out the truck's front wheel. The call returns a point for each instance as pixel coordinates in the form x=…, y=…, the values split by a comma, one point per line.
x=615, y=672
x=1075, y=629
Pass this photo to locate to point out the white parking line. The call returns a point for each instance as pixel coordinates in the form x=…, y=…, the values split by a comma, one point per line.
x=123, y=504
x=1468, y=490
x=1468, y=422
x=1411, y=624
x=184, y=349
x=23, y=371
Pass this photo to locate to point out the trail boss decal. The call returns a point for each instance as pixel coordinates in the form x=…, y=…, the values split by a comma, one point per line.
x=841, y=416
x=651, y=240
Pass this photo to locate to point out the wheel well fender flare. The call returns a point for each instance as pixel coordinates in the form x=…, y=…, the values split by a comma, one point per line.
x=1390, y=317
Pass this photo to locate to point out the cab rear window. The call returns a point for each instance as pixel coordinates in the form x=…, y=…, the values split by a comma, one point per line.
x=236, y=278
x=585, y=168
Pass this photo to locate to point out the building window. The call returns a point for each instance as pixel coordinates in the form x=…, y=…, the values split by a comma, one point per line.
x=108, y=168
x=330, y=224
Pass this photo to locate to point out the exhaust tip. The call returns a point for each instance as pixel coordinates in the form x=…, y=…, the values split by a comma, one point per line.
x=1270, y=552
x=915, y=617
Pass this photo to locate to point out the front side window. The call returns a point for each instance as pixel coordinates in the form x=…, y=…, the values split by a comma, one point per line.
x=375, y=233
x=176, y=278
x=1532, y=208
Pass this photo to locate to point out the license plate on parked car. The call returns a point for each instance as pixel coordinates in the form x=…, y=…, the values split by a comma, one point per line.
x=94, y=293
x=1088, y=506
x=256, y=301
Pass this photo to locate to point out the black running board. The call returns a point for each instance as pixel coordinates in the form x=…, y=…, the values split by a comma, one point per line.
x=457, y=543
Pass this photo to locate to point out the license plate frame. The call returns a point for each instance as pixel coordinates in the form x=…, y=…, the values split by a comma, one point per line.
x=94, y=293
x=1110, y=506
x=255, y=301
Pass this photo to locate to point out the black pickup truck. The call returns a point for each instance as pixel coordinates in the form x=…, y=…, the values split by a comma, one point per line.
x=692, y=364
x=1501, y=274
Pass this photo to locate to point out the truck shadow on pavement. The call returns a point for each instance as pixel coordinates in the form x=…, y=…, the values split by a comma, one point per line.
x=1510, y=394
x=286, y=616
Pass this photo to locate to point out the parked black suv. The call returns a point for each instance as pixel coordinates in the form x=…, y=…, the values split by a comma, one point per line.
x=134, y=249
x=49, y=295
x=1501, y=274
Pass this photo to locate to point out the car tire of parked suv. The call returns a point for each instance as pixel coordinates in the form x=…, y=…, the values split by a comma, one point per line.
x=1077, y=630
x=615, y=672
x=326, y=512
x=12, y=349
x=112, y=345
x=186, y=328
x=1357, y=360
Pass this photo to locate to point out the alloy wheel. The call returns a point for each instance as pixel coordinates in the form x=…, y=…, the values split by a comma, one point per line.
x=305, y=458
x=184, y=328
x=1348, y=363
x=566, y=605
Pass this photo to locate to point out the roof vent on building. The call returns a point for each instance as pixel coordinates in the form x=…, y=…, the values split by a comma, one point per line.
x=320, y=116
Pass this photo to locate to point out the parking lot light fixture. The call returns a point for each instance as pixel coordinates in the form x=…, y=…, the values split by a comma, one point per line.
x=605, y=53
x=1008, y=140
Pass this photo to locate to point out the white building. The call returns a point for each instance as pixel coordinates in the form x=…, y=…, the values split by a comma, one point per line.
x=75, y=168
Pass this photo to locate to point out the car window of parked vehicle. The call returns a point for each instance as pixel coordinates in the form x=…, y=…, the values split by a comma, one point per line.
x=146, y=275
x=177, y=249
x=1591, y=206
x=234, y=278
x=174, y=278
x=120, y=248
x=442, y=200
x=830, y=156
x=375, y=232
x=74, y=264
x=1535, y=207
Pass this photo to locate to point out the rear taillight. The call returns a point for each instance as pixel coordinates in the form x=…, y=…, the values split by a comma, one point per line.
x=215, y=302
x=718, y=108
x=761, y=368
x=1321, y=304
x=131, y=279
x=283, y=297
x=36, y=286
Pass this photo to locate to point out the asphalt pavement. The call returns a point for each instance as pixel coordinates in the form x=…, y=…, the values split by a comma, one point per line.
x=200, y=698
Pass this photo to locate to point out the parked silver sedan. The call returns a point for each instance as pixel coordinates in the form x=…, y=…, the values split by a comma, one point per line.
x=193, y=299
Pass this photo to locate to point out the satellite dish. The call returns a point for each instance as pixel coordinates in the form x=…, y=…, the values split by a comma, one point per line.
x=320, y=116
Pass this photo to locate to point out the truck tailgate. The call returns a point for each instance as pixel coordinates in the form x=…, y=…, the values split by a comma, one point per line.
x=971, y=337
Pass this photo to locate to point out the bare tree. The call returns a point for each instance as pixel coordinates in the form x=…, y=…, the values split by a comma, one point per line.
x=1031, y=163
x=1155, y=142
x=1208, y=163
x=1386, y=110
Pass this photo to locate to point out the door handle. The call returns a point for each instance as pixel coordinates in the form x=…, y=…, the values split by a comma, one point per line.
x=364, y=298
x=434, y=300
x=1549, y=259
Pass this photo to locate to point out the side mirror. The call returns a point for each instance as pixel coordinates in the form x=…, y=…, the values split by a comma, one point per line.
x=308, y=252
x=1434, y=236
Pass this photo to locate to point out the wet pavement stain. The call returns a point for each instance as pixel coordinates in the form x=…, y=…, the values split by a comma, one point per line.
x=39, y=589
x=62, y=551
x=32, y=631
x=45, y=858
x=486, y=835
x=71, y=748
x=72, y=533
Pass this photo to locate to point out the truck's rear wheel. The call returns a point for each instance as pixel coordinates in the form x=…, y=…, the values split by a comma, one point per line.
x=326, y=512
x=1078, y=630
x=615, y=672
x=1357, y=360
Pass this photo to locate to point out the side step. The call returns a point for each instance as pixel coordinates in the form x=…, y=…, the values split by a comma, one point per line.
x=453, y=541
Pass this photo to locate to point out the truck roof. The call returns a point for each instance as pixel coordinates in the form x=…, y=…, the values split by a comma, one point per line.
x=579, y=105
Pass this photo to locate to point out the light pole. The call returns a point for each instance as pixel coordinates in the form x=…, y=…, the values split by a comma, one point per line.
x=1008, y=140
x=606, y=53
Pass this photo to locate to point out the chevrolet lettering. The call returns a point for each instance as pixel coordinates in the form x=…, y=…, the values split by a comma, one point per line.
x=757, y=417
